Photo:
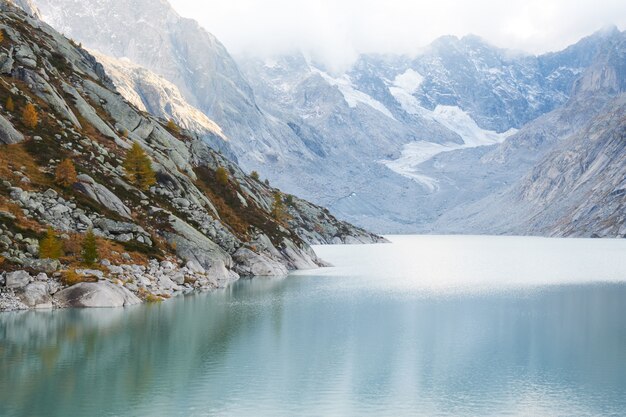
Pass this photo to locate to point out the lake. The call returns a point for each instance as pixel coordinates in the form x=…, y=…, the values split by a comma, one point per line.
x=425, y=326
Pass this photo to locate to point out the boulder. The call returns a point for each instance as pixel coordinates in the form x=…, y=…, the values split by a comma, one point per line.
x=191, y=245
x=36, y=295
x=43, y=265
x=101, y=195
x=249, y=263
x=6, y=64
x=89, y=113
x=25, y=56
x=103, y=294
x=195, y=267
x=17, y=279
x=117, y=228
x=178, y=278
x=8, y=134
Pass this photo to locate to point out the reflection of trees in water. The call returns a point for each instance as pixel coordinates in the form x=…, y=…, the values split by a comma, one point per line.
x=435, y=350
x=115, y=357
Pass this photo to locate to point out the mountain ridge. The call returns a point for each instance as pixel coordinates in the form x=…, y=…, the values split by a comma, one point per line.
x=370, y=144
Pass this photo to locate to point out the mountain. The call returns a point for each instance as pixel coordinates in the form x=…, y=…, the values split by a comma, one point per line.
x=151, y=34
x=201, y=211
x=474, y=97
x=577, y=187
x=153, y=94
x=392, y=144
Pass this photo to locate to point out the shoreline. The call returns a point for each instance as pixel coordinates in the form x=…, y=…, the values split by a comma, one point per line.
x=121, y=286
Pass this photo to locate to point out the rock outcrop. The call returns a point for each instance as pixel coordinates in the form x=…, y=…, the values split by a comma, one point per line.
x=96, y=295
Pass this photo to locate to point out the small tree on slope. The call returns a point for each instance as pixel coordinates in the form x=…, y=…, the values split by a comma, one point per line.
x=139, y=167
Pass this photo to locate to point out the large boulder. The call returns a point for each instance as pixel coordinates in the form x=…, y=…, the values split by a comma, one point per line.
x=6, y=63
x=103, y=294
x=251, y=264
x=101, y=195
x=191, y=245
x=90, y=114
x=300, y=258
x=17, y=279
x=8, y=134
x=117, y=228
x=35, y=295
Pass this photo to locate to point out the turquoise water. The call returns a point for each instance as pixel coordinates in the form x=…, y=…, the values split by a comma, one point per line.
x=432, y=326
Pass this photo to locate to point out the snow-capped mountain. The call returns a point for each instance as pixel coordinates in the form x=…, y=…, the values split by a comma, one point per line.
x=457, y=101
x=391, y=144
x=578, y=185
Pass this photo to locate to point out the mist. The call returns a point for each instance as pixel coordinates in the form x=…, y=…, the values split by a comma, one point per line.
x=335, y=32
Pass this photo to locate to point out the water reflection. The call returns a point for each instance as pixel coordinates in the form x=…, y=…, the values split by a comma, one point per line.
x=313, y=345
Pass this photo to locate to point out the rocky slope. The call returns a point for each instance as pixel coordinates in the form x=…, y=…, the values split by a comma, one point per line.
x=204, y=222
x=152, y=93
x=151, y=34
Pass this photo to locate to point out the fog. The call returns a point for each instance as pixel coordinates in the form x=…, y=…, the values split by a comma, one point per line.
x=336, y=31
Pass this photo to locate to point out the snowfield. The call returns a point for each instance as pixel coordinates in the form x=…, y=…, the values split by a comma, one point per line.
x=455, y=119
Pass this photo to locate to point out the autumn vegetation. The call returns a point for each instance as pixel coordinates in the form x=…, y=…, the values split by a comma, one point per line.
x=221, y=175
x=279, y=209
x=9, y=105
x=90, y=248
x=173, y=127
x=139, y=167
x=65, y=174
x=30, y=118
x=50, y=247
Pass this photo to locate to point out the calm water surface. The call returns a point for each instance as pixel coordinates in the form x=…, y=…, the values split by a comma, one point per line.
x=432, y=326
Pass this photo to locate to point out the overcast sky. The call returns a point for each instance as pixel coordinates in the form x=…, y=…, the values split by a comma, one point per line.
x=336, y=30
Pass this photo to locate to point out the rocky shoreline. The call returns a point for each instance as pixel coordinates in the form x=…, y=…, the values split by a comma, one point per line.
x=108, y=286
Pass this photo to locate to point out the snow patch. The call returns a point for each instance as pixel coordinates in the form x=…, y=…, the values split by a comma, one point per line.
x=462, y=123
x=353, y=96
x=409, y=81
x=455, y=119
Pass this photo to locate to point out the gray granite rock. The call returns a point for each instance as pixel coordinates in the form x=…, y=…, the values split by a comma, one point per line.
x=96, y=294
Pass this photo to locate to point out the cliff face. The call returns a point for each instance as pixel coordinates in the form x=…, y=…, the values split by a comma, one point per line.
x=202, y=210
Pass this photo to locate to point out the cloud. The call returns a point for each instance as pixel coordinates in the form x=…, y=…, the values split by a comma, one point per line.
x=336, y=31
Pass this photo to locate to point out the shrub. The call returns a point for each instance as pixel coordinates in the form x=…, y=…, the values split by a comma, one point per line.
x=30, y=118
x=289, y=200
x=279, y=210
x=1, y=36
x=139, y=167
x=65, y=174
x=90, y=248
x=50, y=247
x=70, y=278
x=9, y=105
x=221, y=175
x=254, y=175
x=173, y=127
